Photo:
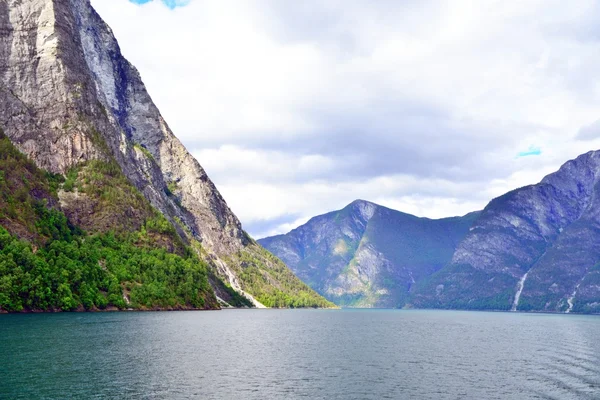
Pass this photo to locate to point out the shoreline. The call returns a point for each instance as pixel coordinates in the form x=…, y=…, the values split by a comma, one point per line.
x=131, y=310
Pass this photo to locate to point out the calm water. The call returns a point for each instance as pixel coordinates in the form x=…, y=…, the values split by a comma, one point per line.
x=288, y=354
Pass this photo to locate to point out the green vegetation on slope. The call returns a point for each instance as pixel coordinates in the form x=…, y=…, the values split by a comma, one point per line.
x=99, y=198
x=22, y=187
x=272, y=283
x=46, y=263
x=96, y=272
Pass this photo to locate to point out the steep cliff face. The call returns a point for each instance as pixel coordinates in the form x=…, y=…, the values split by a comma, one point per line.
x=535, y=248
x=67, y=96
x=366, y=255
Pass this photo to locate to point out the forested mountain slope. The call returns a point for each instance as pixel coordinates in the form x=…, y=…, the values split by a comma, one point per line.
x=77, y=108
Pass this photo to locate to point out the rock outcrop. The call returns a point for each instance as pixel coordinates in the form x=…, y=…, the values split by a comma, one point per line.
x=68, y=95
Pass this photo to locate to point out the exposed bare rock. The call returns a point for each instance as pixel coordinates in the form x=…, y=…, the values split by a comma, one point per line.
x=67, y=96
x=534, y=248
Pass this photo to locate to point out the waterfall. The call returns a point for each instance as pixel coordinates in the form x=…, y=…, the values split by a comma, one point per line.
x=519, y=290
x=570, y=299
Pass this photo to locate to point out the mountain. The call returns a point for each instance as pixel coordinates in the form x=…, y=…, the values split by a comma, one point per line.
x=71, y=103
x=536, y=248
x=366, y=255
x=49, y=264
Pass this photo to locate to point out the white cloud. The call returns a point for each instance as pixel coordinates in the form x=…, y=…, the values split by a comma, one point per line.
x=298, y=108
x=237, y=165
x=589, y=132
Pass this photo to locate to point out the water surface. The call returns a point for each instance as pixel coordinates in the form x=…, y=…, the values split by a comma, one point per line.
x=289, y=354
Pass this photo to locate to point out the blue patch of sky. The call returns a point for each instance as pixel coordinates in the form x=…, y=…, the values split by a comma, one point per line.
x=531, y=151
x=169, y=3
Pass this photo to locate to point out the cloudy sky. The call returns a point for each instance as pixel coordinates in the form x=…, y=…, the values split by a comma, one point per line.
x=429, y=107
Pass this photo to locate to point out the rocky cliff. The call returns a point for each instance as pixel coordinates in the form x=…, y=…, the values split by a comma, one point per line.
x=535, y=248
x=68, y=96
x=366, y=255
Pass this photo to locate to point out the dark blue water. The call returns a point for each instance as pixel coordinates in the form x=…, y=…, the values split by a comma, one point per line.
x=289, y=354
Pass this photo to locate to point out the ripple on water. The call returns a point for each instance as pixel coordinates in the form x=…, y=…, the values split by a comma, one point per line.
x=313, y=354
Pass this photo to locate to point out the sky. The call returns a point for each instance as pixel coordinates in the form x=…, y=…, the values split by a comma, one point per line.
x=433, y=108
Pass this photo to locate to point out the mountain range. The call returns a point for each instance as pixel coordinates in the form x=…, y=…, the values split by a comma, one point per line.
x=102, y=207
x=536, y=248
x=366, y=255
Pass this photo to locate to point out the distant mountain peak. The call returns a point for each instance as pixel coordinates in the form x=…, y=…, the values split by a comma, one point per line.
x=367, y=255
x=361, y=202
x=365, y=209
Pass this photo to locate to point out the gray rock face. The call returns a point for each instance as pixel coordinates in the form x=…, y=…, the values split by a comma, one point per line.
x=548, y=231
x=366, y=255
x=67, y=95
x=44, y=95
x=134, y=115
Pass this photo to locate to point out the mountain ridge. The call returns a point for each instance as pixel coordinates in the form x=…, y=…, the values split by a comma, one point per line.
x=534, y=248
x=531, y=249
x=355, y=257
x=68, y=97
